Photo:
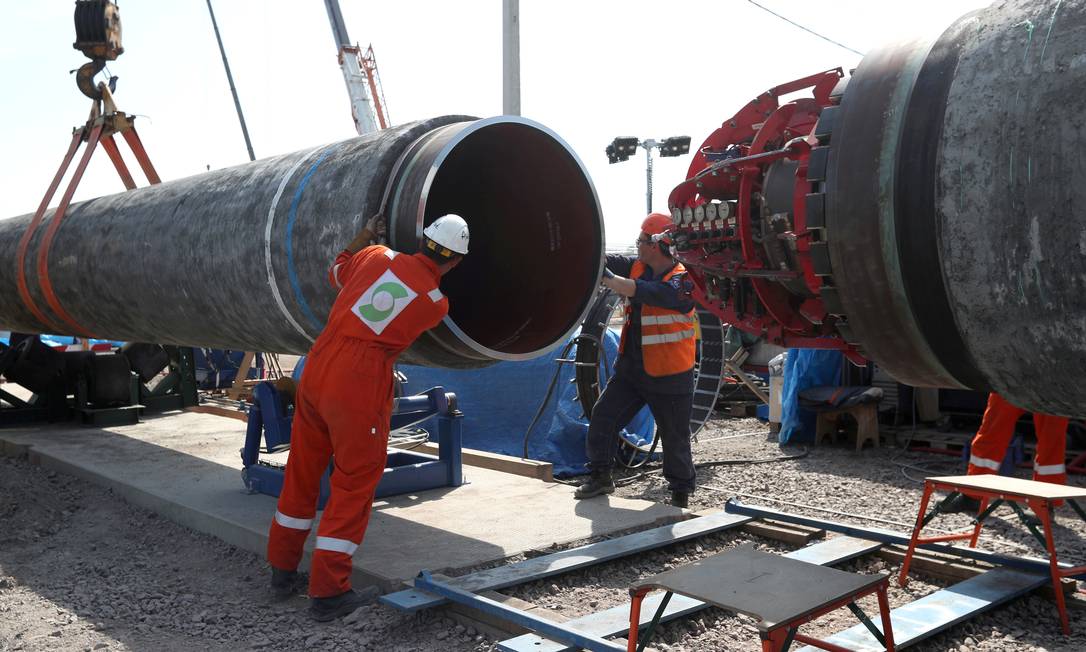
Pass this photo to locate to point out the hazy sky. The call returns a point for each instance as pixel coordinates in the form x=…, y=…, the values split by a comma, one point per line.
x=590, y=70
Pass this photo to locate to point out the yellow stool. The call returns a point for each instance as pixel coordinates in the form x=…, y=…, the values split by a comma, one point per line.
x=866, y=416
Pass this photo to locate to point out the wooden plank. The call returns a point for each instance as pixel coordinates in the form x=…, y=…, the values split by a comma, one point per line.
x=495, y=627
x=943, y=609
x=1010, y=486
x=1029, y=564
x=524, y=605
x=495, y=461
x=617, y=619
x=782, y=533
x=483, y=459
x=742, y=376
x=219, y=411
x=944, y=567
x=529, y=570
x=243, y=370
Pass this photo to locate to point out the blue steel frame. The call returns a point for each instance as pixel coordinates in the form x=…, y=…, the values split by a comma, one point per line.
x=733, y=506
x=548, y=628
x=405, y=471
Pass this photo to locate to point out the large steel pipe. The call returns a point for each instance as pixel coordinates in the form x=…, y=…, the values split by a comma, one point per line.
x=955, y=205
x=238, y=258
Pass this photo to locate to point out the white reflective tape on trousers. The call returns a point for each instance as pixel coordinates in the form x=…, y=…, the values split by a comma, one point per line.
x=1050, y=469
x=648, y=340
x=984, y=463
x=336, y=545
x=293, y=523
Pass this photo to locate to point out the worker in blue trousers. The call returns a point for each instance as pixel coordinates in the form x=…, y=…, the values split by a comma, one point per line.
x=655, y=366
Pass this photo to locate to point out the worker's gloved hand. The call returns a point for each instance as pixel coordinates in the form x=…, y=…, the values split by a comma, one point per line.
x=376, y=225
x=606, y=272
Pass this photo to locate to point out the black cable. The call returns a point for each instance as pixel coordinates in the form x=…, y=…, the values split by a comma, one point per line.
x=602, y=366
x=763, y=460
x=547, y=397
x=809, y=31
x=711, y=463
x=637, y=449
x=904, y=467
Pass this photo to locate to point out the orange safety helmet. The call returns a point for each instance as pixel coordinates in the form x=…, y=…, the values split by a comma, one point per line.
x=655, y=223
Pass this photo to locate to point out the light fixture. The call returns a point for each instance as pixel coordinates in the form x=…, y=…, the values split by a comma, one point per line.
x=675, y=146
x=623, y=147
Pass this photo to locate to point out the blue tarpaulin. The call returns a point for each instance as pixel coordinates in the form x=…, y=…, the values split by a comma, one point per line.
x=805, y=368
x=500, y=401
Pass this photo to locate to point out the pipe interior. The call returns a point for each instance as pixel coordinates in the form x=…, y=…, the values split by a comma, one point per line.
x=536, y=233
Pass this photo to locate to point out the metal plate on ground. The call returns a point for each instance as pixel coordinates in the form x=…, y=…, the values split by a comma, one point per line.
x=943, y=609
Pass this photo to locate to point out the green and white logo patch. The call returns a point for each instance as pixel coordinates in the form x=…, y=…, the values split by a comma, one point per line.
x=383, y=301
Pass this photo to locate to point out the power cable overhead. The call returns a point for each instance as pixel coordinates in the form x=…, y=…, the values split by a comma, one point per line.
x=809, y=31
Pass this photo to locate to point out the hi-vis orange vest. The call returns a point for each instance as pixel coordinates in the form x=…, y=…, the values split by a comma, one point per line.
x=667, y=337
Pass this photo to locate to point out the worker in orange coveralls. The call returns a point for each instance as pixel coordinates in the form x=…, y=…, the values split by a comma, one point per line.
x=996, y=429
x=344, y=404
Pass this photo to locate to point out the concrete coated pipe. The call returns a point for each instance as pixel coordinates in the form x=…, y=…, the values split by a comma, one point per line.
x=955, y=201
x=238, y=258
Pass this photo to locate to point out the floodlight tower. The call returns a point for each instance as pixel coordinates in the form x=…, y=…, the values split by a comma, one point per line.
x=623, y=147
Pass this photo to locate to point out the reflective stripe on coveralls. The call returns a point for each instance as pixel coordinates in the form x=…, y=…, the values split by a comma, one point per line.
x=332, y=544
x=293, y=523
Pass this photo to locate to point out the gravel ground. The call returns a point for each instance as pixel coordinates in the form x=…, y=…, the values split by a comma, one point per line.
x=82, y=570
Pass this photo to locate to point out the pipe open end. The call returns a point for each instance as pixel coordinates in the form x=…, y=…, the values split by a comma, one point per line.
x=536, y=234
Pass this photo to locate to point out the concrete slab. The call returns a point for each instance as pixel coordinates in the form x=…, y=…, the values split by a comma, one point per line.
x=187, y=467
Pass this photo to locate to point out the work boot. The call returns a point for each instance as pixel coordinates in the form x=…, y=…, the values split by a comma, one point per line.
x=286, y=583
x=680, y=499
x=324, y=610
x=598, y=484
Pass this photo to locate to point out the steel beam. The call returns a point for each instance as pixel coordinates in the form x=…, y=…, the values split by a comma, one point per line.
x=1031, y=564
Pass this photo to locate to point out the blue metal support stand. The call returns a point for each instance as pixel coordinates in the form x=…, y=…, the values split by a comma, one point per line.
x=270, y=419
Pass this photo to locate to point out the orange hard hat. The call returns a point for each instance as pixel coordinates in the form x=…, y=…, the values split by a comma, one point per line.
x=655, y=223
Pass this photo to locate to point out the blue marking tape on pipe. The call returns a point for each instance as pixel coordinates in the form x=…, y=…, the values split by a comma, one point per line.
x=292, y=215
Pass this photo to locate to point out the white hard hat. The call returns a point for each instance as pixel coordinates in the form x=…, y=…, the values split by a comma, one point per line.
x=449, y=231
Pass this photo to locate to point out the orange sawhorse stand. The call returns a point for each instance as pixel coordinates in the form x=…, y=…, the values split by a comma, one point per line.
x=104, y=121
x=994, y=490
x=783, y=593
